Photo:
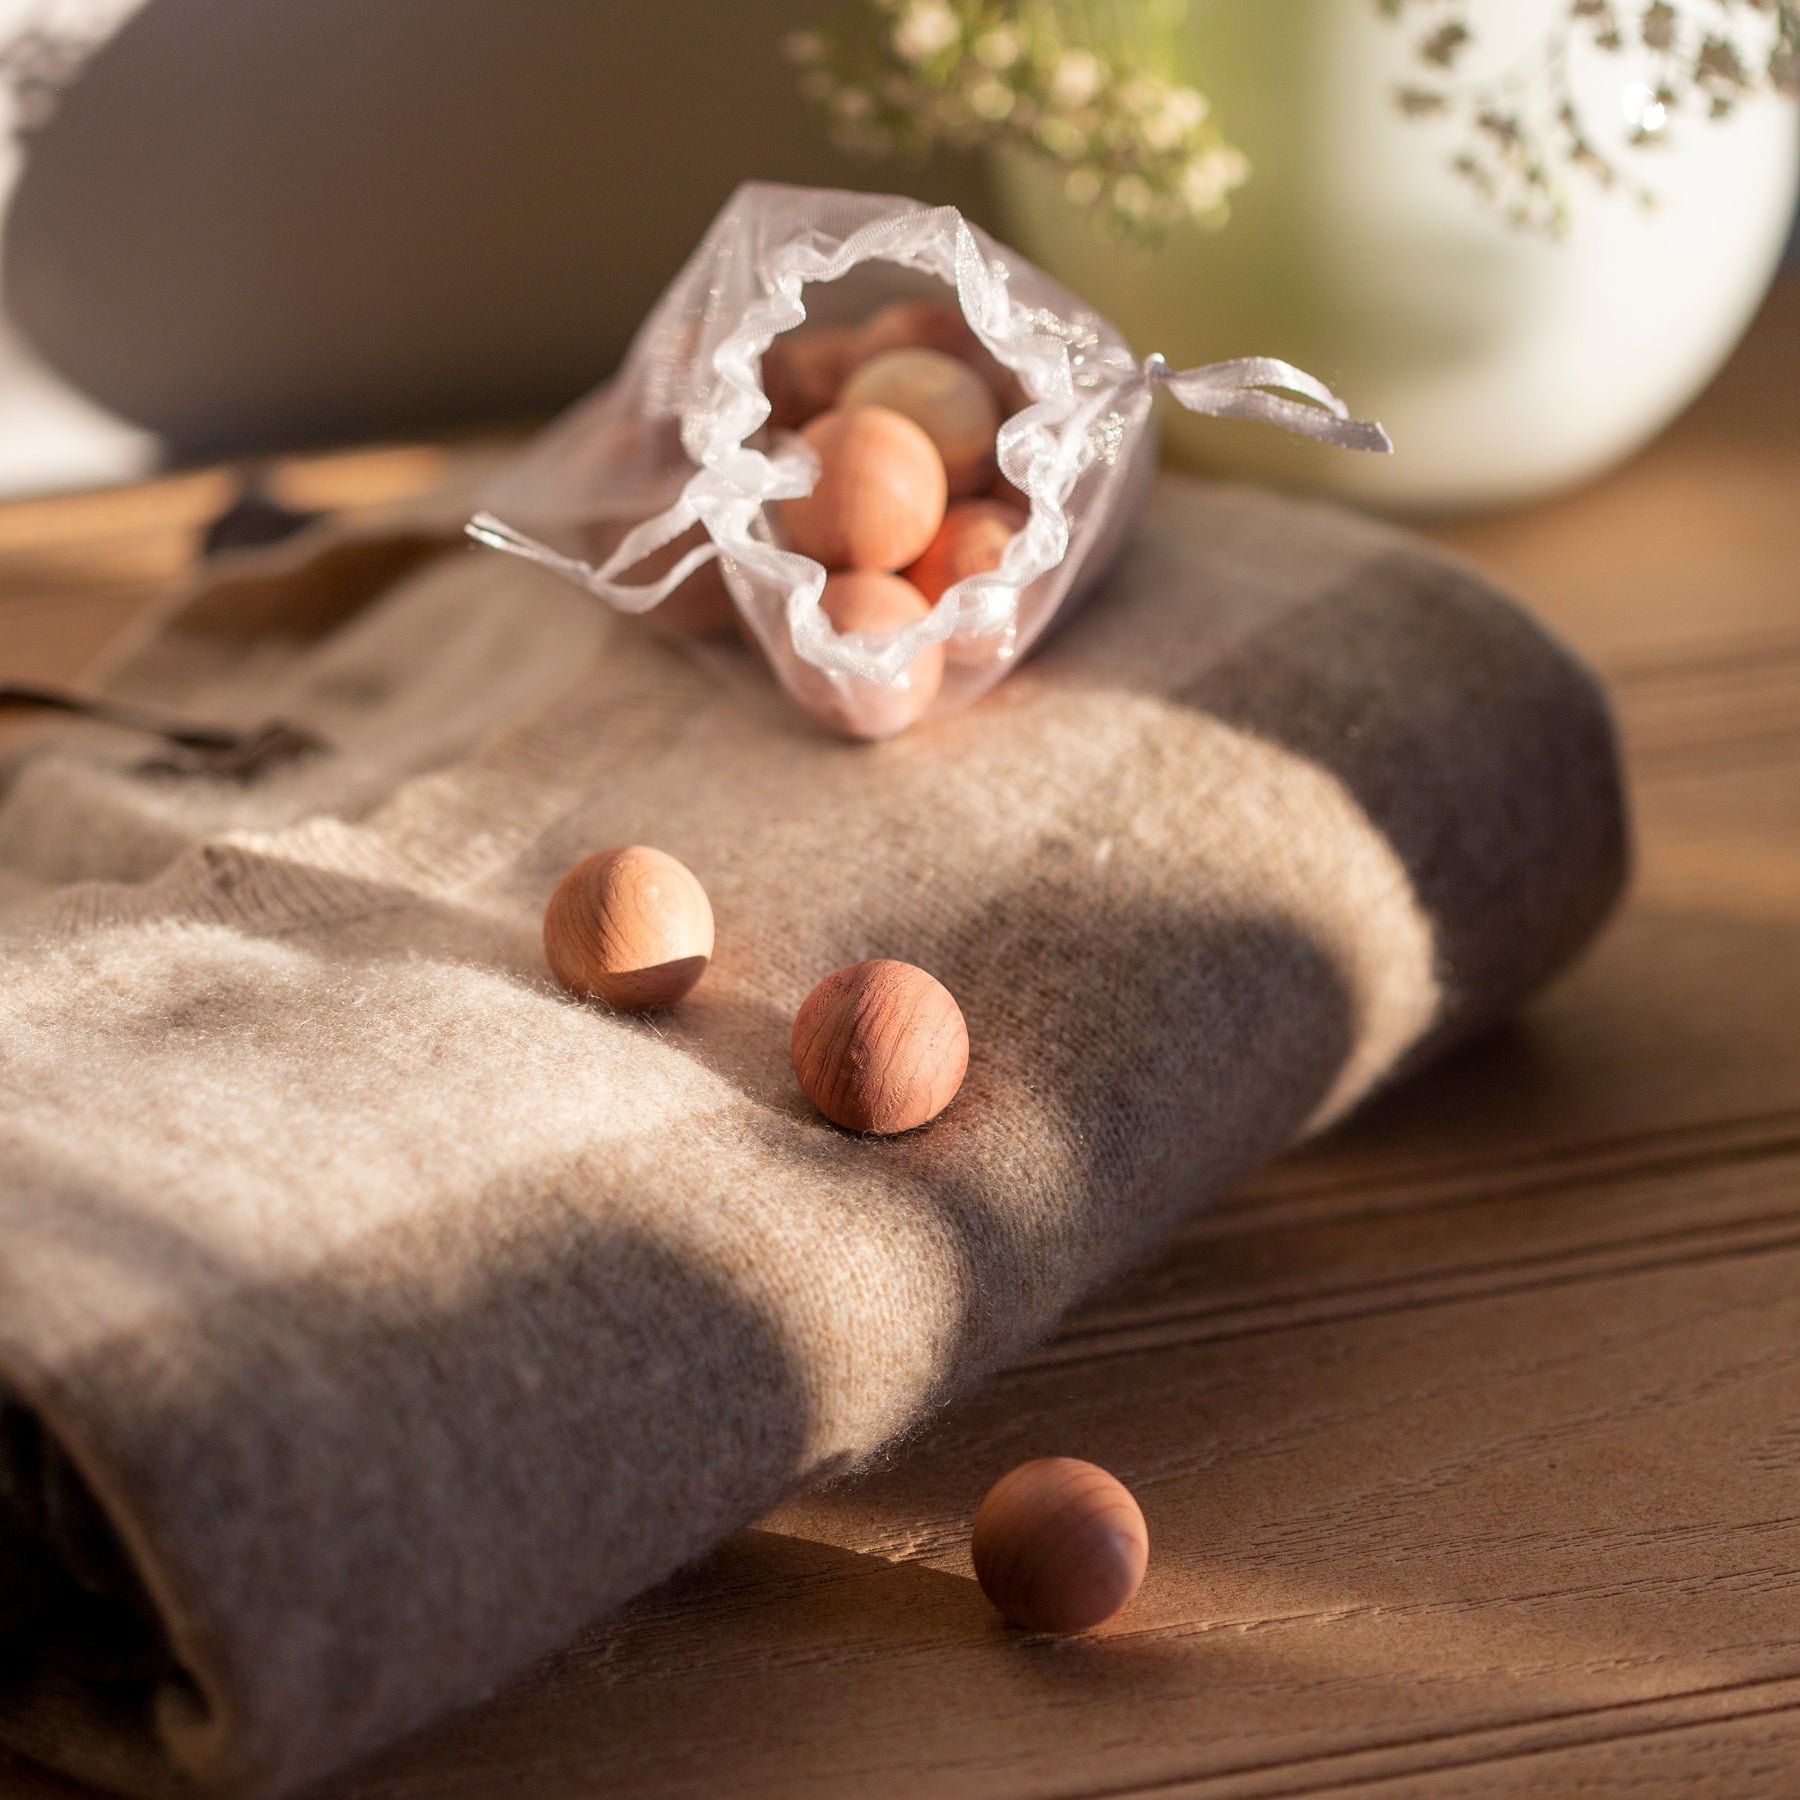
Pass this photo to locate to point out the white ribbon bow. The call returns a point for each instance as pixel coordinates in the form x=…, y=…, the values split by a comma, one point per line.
x=1238, y=390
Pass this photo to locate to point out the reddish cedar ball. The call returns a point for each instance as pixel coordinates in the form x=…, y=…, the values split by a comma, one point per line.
x=1059, y=1545
x=880, y=494
x=946, y=399
x=630, y=926
x=803, y=370
x=880, y=1046
x=971, y=541
x=863, y=600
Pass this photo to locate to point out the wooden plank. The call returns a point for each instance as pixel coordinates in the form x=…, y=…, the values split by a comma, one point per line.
x=174, y=506
x=57, y=640
x=1426, y=1524
x=1725, y=1743
x=1691, y=547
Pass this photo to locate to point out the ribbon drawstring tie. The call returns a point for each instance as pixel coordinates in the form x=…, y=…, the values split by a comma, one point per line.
x=1239, y=390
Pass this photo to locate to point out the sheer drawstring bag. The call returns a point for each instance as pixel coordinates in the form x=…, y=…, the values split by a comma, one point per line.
x=674, y=462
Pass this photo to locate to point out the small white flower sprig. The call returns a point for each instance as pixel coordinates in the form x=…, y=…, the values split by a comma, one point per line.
x=1525, y=133
x=1081, y=84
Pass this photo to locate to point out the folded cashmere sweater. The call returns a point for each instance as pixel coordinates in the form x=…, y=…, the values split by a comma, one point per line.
x=373, y=1316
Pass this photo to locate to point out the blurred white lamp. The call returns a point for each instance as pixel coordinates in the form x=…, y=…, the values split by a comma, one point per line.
x=50, y=435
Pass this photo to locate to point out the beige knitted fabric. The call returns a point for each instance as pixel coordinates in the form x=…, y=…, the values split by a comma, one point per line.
x=372, y=1317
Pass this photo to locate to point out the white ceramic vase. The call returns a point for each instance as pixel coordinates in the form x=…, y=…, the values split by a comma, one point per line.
x=1506, y=365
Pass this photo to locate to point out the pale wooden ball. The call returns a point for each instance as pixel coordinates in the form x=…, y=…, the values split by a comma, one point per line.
x=1059, y=1545
x=880, y=1046
x=803, y=370
x=865, y=600
x=971, y=541
x=939, y=325
x=880, y=494
x=630, y=926
x=946, y=399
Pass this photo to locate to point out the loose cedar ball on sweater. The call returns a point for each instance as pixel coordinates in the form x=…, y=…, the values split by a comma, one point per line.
x=631, y=926
x=880, y=1046
x=971, y=541
x=946, y=399
x=1059, y=1545
x=865, y=600
x=880, y=494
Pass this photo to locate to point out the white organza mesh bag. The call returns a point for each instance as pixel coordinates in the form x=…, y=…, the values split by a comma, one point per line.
x=680, y=439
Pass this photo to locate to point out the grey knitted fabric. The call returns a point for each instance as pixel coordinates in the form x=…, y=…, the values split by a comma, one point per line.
x=372, y=1317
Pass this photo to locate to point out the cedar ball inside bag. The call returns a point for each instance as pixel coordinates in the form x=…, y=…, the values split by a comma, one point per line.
x=681, y=459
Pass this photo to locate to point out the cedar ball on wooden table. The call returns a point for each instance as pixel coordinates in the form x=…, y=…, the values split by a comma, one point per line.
x=1059, y=1545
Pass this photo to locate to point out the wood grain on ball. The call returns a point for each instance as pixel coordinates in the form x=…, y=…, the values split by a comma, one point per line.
x=631, y=926
x=1059, y=1545
x=971, y=541
x=946, y=399
x=880, y=494
x=880, y=1046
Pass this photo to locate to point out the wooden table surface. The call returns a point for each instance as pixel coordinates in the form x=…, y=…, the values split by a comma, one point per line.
x=1469, y=1439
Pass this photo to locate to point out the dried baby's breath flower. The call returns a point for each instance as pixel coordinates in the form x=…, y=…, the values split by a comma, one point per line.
x=1163, y=130
x=992, y=100
x=1084, y=84
x=999, y=47
x=1187, y=106
x=1082, y=186
x=1133, y=196
x=926, y=28
x=1141, y=95
x=1528, y=128
x=1076, y=78
x=1062, y=137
